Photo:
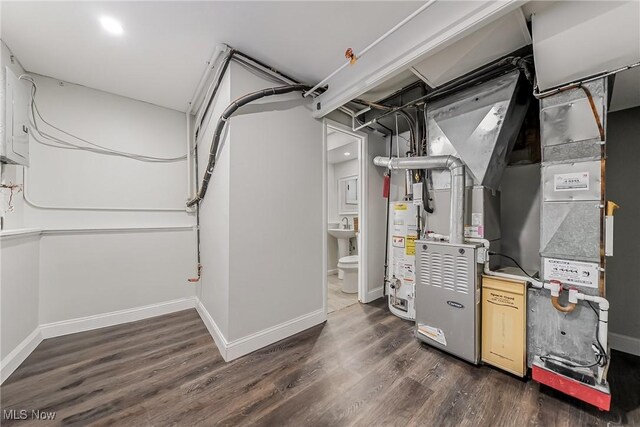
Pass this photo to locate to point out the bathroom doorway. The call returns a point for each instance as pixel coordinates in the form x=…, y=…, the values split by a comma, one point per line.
x=344, y=220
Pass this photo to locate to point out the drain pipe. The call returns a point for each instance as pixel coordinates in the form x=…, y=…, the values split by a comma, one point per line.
x=457, y=170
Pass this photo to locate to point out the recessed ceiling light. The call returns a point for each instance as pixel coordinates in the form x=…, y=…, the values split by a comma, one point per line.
x=347, y=154
x=111, y=25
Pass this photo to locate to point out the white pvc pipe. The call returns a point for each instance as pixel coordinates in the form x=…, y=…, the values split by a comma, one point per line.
x=211, y=65
x=205, y=76
x=189, y=159
x=603, y=316
x=372, y=45
x=203, y=102
x=25, y=196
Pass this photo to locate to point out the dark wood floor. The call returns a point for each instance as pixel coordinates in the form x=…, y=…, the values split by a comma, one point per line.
x=363, y=367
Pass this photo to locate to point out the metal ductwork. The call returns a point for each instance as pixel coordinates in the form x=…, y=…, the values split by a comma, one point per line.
x=457, y=173
x=480, y=126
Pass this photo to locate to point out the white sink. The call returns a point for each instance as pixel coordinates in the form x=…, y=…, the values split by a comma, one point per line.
x=342, y=233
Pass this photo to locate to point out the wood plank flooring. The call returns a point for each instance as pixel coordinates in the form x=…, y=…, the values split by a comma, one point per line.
x=337, y=300
x=363, y=367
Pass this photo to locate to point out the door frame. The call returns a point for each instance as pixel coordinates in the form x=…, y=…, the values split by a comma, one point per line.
x=362, y=208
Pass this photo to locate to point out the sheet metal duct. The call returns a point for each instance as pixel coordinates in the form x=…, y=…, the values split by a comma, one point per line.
x=479, y=125
x=489, y=43
x=576, y=39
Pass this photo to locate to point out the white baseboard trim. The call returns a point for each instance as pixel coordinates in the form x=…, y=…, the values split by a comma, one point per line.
x=231, y=350
x=14, y=359
x=258, y=340
x=373, y=295
x=82, y=324
x=214, y=330
x=624, y=343
x=332, y=272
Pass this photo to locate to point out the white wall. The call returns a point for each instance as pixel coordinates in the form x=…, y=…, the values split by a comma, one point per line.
x=19, y=296
x=274, y=223
x=623, y=292
x=376, y=217
x=92, y=272
x=214, y=220
x=19, y=259
x=340, y=170
x=276, y=239
x=84, y=274
x=9, y=174
x=72, y=178
x=89, y=261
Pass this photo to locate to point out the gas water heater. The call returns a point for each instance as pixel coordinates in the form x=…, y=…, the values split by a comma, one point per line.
x=403, y=234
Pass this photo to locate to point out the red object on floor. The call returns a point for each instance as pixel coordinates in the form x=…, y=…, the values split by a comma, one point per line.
x=386, y=185
x=586, y=393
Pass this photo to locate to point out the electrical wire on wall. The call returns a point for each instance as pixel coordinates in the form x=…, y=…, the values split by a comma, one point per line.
x=12, y=188
x=44, y=138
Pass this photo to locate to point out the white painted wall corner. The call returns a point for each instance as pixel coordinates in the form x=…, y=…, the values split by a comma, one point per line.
x=19, y=354
x=373, y=295
x=231, y=350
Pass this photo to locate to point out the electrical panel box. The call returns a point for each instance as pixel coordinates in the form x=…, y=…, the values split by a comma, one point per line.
x=15, y=144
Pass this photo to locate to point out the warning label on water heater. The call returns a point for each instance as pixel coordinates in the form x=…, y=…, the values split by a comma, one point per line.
x=571, y=181
x=572, y=272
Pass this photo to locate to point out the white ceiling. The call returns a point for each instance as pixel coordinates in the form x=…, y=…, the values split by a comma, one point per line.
x=339, y=143
x=165, y=46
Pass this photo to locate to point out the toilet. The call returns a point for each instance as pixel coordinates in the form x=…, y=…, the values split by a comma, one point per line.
x=349, y=266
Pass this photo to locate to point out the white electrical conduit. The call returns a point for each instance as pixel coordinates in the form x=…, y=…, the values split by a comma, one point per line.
x=189, y=154
x=372, y=45
x=549, y=92
x=457, y=170
x=30, y=202
x=211, y=65
x=203, y=104
x=25, y=195
x=555, y=290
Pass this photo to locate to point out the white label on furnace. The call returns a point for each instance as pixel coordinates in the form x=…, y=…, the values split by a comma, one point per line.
x=572, y=272
x=417, y=193
x=571, y=181
x=476, y=219
x=435, y=334
x=474, y=231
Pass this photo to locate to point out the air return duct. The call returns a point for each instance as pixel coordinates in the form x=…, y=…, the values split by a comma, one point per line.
x=479, y=125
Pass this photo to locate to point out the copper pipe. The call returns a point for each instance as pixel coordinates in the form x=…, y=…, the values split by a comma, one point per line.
x=563, y=308
x=595, y=111
x=587, y=92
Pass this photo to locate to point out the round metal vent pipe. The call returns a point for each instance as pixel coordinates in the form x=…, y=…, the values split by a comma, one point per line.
x=457, y=170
